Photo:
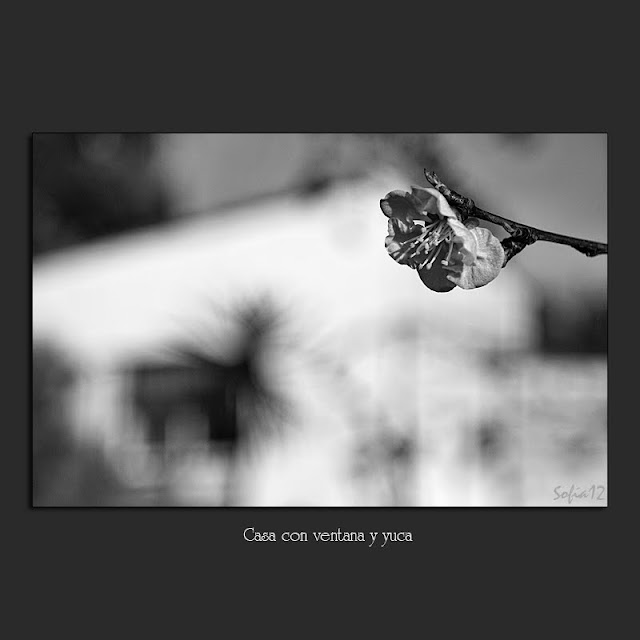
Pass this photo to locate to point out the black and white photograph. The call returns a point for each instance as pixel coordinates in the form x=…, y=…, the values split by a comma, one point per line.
x=319, y=320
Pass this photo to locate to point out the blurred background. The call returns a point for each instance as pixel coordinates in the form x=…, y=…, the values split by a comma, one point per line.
x=216, y=322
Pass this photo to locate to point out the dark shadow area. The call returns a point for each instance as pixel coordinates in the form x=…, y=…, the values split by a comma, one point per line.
x=66, y=471
x=577, y=329
x=88, y=186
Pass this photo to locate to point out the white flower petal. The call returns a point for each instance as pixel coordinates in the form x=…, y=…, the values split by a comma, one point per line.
x=487, y=264
x=465, y=240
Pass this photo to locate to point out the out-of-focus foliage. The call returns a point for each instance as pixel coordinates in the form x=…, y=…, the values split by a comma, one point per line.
x=87, y=186
x=525, y=142
x=66, y=472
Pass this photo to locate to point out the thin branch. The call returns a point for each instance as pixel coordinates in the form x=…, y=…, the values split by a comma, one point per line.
x=522, y=235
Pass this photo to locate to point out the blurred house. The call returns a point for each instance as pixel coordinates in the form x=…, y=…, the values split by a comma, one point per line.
x=363, y=388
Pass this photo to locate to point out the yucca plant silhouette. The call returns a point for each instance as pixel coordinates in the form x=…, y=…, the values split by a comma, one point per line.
x=233, y=390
